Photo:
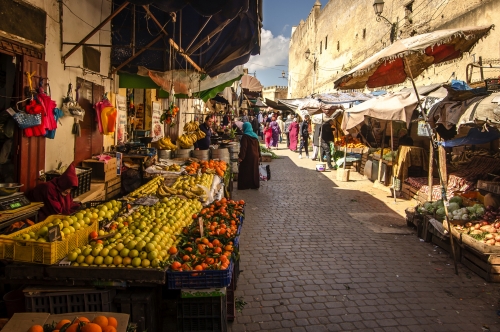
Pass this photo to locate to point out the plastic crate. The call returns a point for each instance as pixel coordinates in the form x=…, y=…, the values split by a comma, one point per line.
x=47, y=253
x=141, y=305
x=230, y=305
x=84, y=175
x=68, y=302
x=202, y=314
x=105, y=221
x=200, y=279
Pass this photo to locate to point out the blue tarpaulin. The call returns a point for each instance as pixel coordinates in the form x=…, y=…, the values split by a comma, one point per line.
x=474, y=137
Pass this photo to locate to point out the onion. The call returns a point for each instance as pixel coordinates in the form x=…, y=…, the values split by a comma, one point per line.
x=497, y=244
x=484, y=223
x=493, y=230
x=497, y=225
x=477, y=226
x=490, y=242
x=489, y=208
x=469, y=224
x=497, y=238
x=489, y=236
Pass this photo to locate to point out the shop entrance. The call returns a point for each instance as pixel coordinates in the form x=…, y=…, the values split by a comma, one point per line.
x=90, y=141
x=21, y=158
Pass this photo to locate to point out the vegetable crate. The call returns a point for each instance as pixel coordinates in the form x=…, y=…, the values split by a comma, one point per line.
x=141, y=305
x=484, y=265
x=230, y=298
x=68, y=302
x=414, y=219
x=200, y=279
x=47, y=253
x=202, y=314
x=445, y=244
x=84, y=175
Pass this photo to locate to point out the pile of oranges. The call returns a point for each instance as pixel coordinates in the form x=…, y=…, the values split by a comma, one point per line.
x=80, y=324
x=213, y=166
x=213, y=249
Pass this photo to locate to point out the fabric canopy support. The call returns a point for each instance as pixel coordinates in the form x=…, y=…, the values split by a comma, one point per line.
x=393, y=64
x=475, y=136
x=392, y=106
x=133, y=81
x=483, y=111
x=217, y=42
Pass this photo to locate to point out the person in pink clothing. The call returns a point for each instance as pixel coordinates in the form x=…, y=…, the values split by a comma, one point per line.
x=268, y=135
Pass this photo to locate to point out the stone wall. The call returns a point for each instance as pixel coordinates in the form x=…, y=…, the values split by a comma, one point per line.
x=275, y=92
x=345, y=32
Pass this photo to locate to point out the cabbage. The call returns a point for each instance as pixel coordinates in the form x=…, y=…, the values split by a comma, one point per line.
x=456, y=199
x=480, y=211
x=430, y=209
x=465, y=216
x=453, y=206
x=440, y=213
x=422, y=210
x=471, y=209
x=427, y=205
x=440, y=203
x=457, y=217
x=472, y=216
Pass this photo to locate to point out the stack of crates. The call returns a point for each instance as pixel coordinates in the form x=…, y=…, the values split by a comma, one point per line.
x=141, y=304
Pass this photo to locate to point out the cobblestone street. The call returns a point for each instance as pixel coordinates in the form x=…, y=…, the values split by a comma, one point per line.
x=317, y=255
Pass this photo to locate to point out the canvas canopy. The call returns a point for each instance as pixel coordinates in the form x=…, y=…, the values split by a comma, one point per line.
x=392, y=106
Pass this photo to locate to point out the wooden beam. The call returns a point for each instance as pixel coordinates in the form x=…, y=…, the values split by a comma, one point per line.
x=172, y=42
x=145, y=48
x=210, y=36
x=93, y=32
x=199, y=31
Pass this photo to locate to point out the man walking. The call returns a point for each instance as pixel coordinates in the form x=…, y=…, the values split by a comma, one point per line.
x=326, y=138
x=304, y=136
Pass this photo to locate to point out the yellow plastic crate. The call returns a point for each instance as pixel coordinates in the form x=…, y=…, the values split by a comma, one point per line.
x=47, y=253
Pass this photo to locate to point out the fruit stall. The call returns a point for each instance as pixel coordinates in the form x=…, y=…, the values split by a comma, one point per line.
x=159, y=254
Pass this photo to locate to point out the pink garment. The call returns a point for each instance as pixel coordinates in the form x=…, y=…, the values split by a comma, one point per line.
x=98, y=108
x=49, y=105
x=35, y=108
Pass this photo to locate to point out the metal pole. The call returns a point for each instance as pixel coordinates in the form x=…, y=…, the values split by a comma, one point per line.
x=93, y=32
x=431, y=170
x=151, y=43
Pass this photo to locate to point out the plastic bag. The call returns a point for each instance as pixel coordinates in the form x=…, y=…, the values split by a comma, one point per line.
x=265, y=172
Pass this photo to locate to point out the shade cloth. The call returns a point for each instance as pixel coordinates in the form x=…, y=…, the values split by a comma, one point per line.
x=475, y=136
x=409, y=156
x=387, y=67
x=392, y=106
x=481, y=111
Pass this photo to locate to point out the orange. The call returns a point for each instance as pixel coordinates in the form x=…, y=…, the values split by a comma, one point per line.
x=102, y=321
x=62, y=323
x=112, y=322
x=92, y=327
x=36, y=328
x=72, y=328
x=109, y=328
x=82, y=319
x=172, y=250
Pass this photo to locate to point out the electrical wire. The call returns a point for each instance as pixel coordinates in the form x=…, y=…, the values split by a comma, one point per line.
x=78, y=17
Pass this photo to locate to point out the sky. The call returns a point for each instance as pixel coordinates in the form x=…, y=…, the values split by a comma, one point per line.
x=279, y=17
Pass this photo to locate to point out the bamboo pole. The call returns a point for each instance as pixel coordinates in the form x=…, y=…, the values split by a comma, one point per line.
x=381, y=154
x=431, y=170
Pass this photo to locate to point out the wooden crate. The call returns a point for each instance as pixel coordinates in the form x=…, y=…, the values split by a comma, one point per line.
x=101, y=171
x=485, y=266
x=409, y=192
x=113, y=187
x=445, y=244
x=364, y=159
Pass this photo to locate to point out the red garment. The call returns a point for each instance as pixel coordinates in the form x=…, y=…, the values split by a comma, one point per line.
x=98, y=110
x=35, y=108
x=268, y=135
x=50, y=194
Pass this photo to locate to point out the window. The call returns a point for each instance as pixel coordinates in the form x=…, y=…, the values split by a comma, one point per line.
x=409, y=11
x=326, y=42
x=338, y=45
x=364, y=33
x=320, y=49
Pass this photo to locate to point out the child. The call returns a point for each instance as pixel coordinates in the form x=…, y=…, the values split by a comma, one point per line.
x=268, y=134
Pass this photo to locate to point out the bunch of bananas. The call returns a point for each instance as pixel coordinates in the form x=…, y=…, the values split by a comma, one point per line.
x=165, y=191
x=199, y=134
x=191, y=126
x=187, y=140
x=172, y=168
x=149, y=188
x=166, y=144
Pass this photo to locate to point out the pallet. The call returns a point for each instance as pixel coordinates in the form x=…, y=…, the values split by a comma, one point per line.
x=485, y=266
x=364, y=159
x=409, y=193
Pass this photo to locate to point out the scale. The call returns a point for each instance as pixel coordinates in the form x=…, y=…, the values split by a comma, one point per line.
x=14, y=201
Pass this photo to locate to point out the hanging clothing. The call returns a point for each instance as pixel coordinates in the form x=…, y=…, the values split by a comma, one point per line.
x=50, y=193
x=98, y=110
x=108, y=119
x=49, y=105
x=57, y=115
x=35, y=108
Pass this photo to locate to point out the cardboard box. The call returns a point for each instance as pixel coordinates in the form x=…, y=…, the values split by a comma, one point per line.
x=23, y=321
x=101, y=171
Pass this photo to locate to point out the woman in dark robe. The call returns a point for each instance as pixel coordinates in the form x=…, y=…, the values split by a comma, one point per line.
x=294, y=134
x=249, y=156
x=276, y=132
x=56, y=194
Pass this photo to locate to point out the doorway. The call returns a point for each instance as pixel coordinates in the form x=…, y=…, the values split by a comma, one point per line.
x=8, y=127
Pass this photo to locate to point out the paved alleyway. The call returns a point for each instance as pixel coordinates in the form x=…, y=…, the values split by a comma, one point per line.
x=309, y=266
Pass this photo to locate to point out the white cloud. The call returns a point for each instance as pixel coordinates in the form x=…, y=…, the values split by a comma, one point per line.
x=273, y=51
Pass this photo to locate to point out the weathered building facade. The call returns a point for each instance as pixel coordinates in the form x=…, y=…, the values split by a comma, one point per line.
x=345, y=32
x=275, y=92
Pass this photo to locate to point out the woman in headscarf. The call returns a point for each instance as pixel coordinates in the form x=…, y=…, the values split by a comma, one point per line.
x=56, y=194
x=248, y=158
x=276, y=132
x=293, y=130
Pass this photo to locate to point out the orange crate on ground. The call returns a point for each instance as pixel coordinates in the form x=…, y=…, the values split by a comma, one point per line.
x=47, y=253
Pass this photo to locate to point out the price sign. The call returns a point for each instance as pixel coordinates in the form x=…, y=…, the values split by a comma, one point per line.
x=54, y=233
x=200, y=223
